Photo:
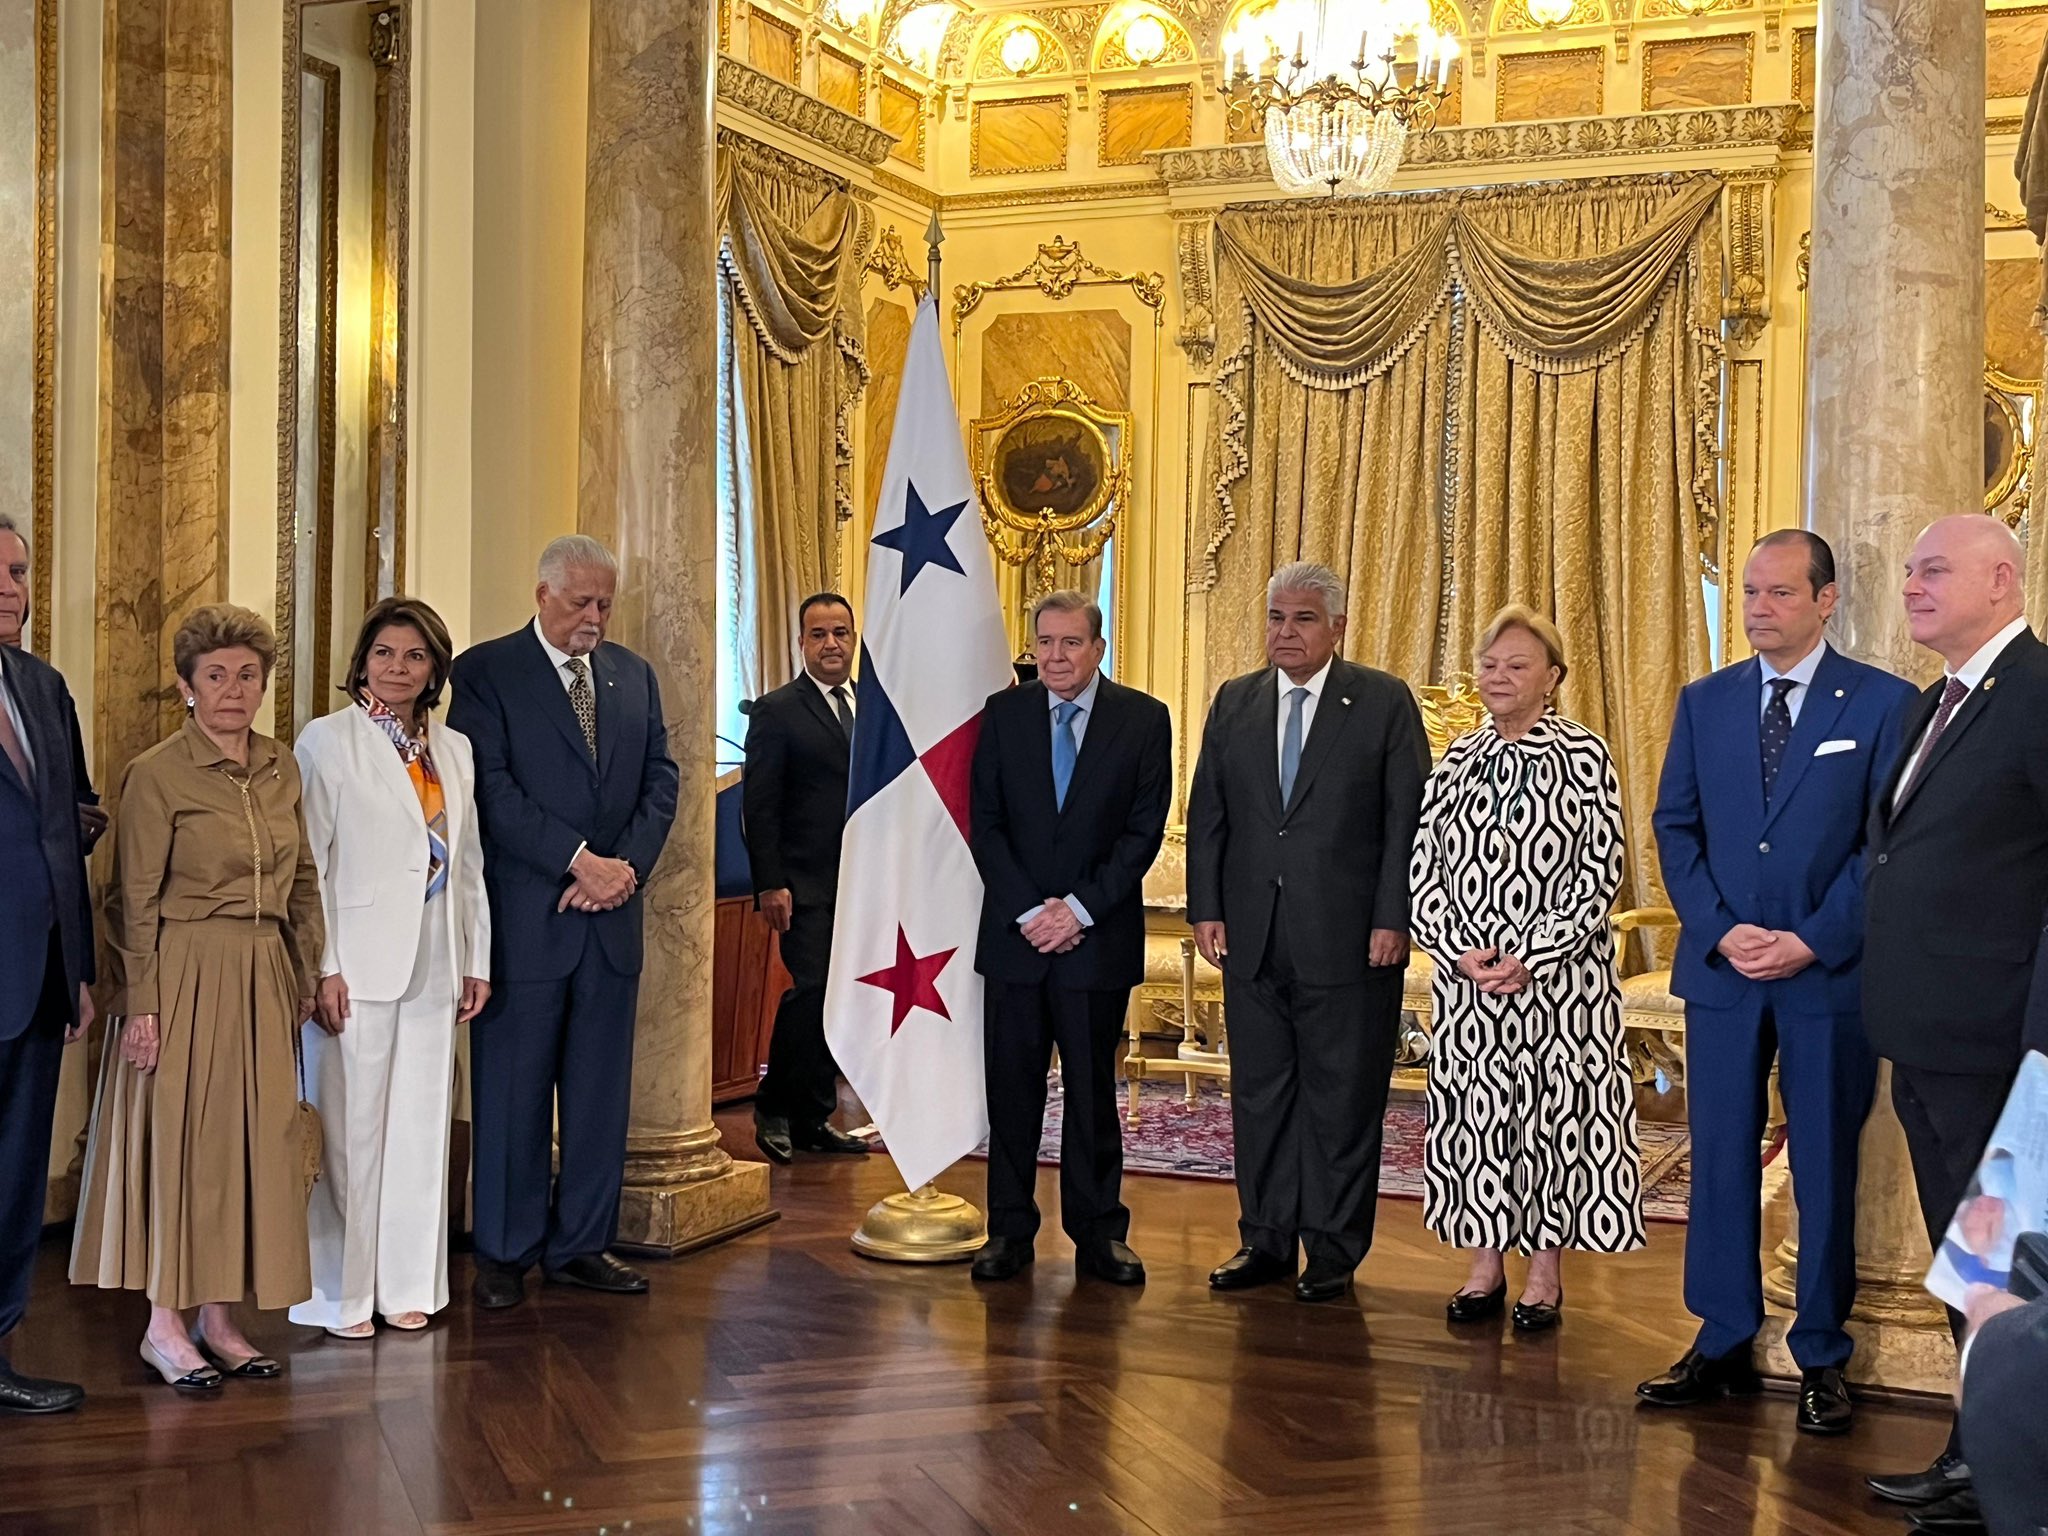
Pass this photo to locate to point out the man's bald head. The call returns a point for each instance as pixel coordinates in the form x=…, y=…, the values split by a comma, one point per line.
x=1963, y=584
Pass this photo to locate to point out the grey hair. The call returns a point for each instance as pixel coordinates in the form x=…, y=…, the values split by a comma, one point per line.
x=1069, y=601
x=1307, y=576
x=9, y=525
x=577, y=549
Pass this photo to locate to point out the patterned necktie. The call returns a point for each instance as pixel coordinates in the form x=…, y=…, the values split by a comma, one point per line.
x=843, y=710
x=583, y=701
x=1064, y=750
x=1777, y=730
x=10, y=743
x=1951, y=696
x=1290, y=746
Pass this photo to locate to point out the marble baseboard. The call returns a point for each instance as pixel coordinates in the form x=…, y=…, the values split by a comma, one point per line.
x=1890, y=1357
x=675, y=1220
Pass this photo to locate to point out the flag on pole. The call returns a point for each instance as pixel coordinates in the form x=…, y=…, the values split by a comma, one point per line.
x=903, y=1004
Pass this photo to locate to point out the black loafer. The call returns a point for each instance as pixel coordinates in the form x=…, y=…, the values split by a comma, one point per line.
x=1949, y=1474
x=771, y=1135
x=1001, y=1258
x=1539, y=1316
x=1477, y=1306
x=255, y=1368
x=826, y=1138
x=600, y=1272
x=1699, y=1378
x=32, y=1394
x=1322, y=1283
x=1956, y=1515
x=498, y=1288
x=1249, y=1267
x=1111, y=1261
x=1824, y=1407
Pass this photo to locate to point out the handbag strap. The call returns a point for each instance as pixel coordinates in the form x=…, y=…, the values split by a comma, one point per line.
x=299, y=1057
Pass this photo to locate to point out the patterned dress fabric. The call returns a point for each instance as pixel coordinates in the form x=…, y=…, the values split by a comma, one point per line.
x=1532, y=1129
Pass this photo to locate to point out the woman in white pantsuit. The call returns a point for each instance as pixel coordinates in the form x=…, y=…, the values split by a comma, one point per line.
x=391, y=815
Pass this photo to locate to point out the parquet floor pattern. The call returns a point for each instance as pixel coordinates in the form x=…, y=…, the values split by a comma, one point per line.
x=780, y=1385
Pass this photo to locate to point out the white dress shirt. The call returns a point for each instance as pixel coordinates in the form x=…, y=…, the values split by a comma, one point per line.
x=7, y=702
x=826, y=689
x=1970, y=674
x=1086, y=699
x=1801, y=674
x=1308, y=709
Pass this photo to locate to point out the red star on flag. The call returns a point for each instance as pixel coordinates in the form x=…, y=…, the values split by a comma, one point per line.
x=911, y=981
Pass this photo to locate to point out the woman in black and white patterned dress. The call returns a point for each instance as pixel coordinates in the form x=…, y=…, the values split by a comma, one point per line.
x=1532, y=1126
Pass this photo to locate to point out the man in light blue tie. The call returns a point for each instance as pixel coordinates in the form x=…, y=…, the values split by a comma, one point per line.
x=1073, y=776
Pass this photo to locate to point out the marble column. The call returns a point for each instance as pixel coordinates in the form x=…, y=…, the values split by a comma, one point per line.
x=648, y=487
x=1894, y=366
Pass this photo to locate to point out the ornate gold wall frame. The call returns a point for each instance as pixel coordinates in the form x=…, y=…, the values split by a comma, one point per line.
x=1053, y=472
x=2012, y=414
x=1181, y=98
x=1056, y=270
x=1058, y=109
x=304, y=611
x=889, y=262
x=1685, y=48
x=1747, y=202
x=43, y=402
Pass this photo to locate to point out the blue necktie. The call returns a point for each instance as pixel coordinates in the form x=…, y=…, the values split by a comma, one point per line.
x=1290, y=746
x=1777, y=730
x=1064, y=750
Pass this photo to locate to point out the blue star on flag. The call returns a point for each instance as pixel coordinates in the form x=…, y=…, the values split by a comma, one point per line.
x=921, y=537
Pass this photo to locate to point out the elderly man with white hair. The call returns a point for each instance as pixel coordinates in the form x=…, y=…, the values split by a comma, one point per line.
x=575, y=793
x=1300, y=823
x=1955, y=892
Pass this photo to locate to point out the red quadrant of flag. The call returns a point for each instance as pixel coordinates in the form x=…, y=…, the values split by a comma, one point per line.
x=912, y=981
x=949, y=764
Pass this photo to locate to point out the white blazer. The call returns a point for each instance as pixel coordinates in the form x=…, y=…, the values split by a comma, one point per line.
x=363, y=820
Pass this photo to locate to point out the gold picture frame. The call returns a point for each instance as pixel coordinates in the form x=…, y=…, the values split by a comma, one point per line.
x=1053, y=471
x=2008, y=442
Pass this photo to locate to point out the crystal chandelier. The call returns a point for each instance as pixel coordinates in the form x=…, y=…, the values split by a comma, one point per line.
x=1336, y=120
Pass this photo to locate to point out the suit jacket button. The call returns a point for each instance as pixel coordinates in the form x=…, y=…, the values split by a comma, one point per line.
x=1763, y=847
x=1283, y=831
x=1884, y=858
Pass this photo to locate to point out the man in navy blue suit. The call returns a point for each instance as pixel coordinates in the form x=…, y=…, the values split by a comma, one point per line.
x=45, y=951
x=575, y=794
x=1773, y=767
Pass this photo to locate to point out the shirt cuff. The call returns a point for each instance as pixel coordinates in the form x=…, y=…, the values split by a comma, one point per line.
x=1028, y=916
x=581, y=849
x=1074, y=906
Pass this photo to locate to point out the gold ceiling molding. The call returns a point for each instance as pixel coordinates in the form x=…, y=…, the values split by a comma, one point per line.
x=1746, y=207
x=1056, y=270
x=2001, y=125
x=1648, y=133
x=1996, y=217
x=889, y=262
x=909, y=191
x=747, y=88
x=42, y=520
x=1513, y=16
x=1027, y=197
x=1673, y=10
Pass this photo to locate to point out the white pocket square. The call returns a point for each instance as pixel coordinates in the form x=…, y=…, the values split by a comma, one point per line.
x=1833, y=746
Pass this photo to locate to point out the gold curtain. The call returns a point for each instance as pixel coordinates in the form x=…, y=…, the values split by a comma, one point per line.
x=1529, y=414
x=791, y=272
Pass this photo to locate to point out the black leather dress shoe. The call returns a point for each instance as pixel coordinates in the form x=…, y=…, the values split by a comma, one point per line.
x=600, y=1272
x=31, y=1394
x=1699, y=1378
x=1956, y=1515
x=1539, y=1316
x=1949, y=1474
x=1001, y=1258
x=771, y=1135
x=1322, y=1282
x=1111, y=1261
x=1477, y=1306
x=1824, y=1402
x=1249, y=1267
x=496, y=1288
x=826, y=1138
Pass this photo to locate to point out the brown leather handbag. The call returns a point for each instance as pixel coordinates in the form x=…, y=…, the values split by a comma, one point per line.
x=312, y=1136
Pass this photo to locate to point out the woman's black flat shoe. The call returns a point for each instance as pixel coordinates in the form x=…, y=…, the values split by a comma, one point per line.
x=204, y=1379
x=1540, y=1316
x=253, y=1368
x=1477, y=1306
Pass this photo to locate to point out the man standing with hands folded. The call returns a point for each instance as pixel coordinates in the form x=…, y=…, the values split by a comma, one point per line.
x=575, y=794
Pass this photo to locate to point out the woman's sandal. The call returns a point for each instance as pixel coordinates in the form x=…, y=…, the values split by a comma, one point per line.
x=366, y=1329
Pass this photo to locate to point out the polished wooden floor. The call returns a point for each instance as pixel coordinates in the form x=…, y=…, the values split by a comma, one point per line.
x=781, y=1385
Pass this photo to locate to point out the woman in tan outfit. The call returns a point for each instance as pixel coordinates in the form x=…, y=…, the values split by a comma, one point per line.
x=193, y=1184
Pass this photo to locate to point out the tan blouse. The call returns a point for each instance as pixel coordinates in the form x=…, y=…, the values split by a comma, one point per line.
x=197, y=835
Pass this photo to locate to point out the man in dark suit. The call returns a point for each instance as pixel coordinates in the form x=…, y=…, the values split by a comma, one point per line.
x=794, y=798
x=1300, y=822
x=1073, y=777
x=45, y=953
x=2005, y=1362
x=1773, y=767
x=575, y=794
x=92, y=821
x=1956, y=886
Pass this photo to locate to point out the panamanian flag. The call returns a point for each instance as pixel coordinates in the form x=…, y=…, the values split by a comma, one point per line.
x=903, y=1003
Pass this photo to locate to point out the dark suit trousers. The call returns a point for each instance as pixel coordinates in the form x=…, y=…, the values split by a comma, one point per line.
x=802, y=1082
x=1948, y=1118
x=1309, y=1069
x=1826, y=1076
x=551, y=1058
x=29, y=1064
x=1020, y=1026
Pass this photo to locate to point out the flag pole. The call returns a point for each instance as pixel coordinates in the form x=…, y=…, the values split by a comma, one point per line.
x=925, y=1225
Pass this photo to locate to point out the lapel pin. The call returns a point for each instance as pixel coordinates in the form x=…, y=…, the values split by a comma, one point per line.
x=1838, y=693
x=1990, y=683
x=1347, y=702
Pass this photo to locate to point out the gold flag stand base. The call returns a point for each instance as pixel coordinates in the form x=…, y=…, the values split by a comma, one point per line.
x=925, y=1226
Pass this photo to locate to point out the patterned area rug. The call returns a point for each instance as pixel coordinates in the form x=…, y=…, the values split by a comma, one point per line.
x=1192, y=1141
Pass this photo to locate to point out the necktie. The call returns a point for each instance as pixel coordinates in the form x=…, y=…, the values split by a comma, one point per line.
x=10, y=743
x=1951, y=696
x=583, y=701
x=843, y=710
x=1290, y=746
x=1777, y=730
x=1064, y=750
